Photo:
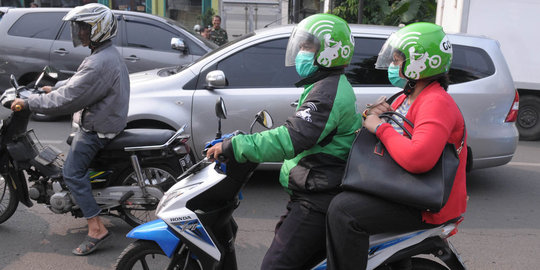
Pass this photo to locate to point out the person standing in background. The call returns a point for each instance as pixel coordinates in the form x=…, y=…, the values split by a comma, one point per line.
x=218, y=35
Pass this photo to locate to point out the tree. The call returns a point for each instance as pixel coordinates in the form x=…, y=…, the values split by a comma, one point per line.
x=387, y=12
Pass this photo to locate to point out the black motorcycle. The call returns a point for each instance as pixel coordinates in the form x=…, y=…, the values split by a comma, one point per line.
x=128, y=176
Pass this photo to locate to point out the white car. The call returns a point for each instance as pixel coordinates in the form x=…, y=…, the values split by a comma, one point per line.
x=250, y=74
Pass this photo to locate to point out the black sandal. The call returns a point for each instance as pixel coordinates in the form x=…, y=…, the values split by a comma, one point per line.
x=90, y=244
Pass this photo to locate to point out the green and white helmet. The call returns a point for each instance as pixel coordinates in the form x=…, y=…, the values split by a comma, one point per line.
x=98, y=16
x=425, y=47
x=327, y=35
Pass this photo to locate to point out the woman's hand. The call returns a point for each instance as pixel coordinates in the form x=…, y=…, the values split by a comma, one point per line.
x=214, y=151
x=379, y=108
x=371, y=122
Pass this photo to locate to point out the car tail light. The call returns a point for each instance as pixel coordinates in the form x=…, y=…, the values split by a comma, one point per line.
x=513, y=113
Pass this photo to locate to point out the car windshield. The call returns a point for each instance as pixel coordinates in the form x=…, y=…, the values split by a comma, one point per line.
x=207, y=42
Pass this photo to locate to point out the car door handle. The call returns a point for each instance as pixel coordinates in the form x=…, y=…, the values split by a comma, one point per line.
x=61, y=51
x=132, y=58
x=294, y=104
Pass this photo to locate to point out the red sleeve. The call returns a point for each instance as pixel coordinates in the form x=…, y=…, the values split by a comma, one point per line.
x=434, y=118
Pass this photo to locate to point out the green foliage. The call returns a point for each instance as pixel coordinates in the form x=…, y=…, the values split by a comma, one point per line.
x=206, y=17
x=387, y=12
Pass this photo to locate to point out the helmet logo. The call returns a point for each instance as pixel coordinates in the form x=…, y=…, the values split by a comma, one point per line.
x=445, y=45
x=331, y=51
x=418, y=60
x=321, y=28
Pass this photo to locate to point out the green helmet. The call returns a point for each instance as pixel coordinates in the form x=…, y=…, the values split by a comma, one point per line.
x=425, y=48
x=327, y=35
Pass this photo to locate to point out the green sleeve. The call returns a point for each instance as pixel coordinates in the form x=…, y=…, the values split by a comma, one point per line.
x=268, y=146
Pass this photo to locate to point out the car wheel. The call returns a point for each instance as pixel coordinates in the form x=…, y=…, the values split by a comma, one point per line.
x=528, y=120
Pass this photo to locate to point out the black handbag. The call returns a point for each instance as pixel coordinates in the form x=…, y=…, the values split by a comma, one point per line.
x=371, y=169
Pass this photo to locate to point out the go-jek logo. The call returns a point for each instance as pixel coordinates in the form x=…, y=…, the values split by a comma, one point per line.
x=408, y=39
x=445, y=45
x=321, y=28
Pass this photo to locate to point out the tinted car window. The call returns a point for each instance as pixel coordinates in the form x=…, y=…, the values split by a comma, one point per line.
x=262, y=65
x=362, y=70
x=469, y=64
x=151, y=36
x=65, y=35
x=37, y=25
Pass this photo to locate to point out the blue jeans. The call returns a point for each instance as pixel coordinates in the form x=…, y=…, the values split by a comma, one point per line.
x=83, y=149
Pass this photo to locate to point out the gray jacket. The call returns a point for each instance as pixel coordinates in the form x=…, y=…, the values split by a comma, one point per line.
x=99, y=91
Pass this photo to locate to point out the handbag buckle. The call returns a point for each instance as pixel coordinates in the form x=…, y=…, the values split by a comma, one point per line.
x=379, y=149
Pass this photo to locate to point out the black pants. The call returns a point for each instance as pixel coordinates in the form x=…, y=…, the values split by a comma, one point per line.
x=352, y=217
x=300, y=239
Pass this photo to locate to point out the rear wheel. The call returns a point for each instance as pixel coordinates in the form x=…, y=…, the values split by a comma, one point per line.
x=528, y=120
x=8, y=200
x=143, y=254
x=154, y=175
x=414, y=264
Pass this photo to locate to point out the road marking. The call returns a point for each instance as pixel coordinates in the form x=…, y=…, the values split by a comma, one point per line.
x=524, y=164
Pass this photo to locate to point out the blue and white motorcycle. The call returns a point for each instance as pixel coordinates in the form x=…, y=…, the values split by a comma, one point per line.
x=196, y=230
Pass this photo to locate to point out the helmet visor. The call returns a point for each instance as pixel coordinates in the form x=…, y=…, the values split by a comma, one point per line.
x=75, y=28
x=300, y=40
x=389, y=54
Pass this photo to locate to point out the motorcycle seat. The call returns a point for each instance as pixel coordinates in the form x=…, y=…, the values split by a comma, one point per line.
x=139, y=137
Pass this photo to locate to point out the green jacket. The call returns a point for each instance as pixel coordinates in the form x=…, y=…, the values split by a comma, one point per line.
x=314, y=143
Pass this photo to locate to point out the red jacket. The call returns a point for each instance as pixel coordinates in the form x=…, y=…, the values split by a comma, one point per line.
x=437, y=120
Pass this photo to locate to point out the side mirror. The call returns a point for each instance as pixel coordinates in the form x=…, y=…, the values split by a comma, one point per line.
x=13, y=81
x=178, y=44
x=264, y=118
x=49, y=71
x=216, y=79
x=221, y=110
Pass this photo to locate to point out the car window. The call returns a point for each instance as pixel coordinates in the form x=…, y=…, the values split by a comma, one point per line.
x=262, y=65
x=37, y=25
x=145, y=35
x=65, y=35
x=469, y=64
x=361, y=70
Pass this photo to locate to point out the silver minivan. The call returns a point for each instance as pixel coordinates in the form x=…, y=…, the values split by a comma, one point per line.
x=35, y=37
x=252, y=76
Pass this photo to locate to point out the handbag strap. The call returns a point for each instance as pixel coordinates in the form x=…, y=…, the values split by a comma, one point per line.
x=390, y=116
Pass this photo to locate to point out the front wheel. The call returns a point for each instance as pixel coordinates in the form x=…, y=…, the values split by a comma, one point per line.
x=143, y=254
x=154, y=175
x=8, y=200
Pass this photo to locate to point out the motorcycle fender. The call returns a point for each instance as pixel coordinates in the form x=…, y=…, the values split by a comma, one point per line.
x=159, y=232
x=18, y=182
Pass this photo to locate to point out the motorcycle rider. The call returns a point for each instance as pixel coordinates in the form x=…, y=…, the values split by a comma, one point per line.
x=313, y=143
x=99, y=94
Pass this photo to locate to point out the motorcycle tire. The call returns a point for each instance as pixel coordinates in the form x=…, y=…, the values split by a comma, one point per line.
x=156, y=175
x=8, y=200
x=144, y=254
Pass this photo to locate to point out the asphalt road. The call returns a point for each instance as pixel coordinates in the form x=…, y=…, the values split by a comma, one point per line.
x=501, y=228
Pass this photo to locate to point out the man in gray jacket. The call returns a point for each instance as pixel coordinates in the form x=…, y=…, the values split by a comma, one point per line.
x=99, y=95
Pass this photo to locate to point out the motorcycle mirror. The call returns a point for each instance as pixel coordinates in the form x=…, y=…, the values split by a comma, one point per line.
x=264, y=118
x=221, y=113
x=13, y=81
x=51, y=72
x=221, y=110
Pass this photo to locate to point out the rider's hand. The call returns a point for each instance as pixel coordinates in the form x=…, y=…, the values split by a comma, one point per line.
x=214, y=152
x=372, y=122
x=47, y=89
x=17, y=105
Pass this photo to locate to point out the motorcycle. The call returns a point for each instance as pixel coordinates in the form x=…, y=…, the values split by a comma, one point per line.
x=128, y=176
x=196, y=230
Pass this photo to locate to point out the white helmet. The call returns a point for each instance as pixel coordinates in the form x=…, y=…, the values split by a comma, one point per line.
x=98, y=16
